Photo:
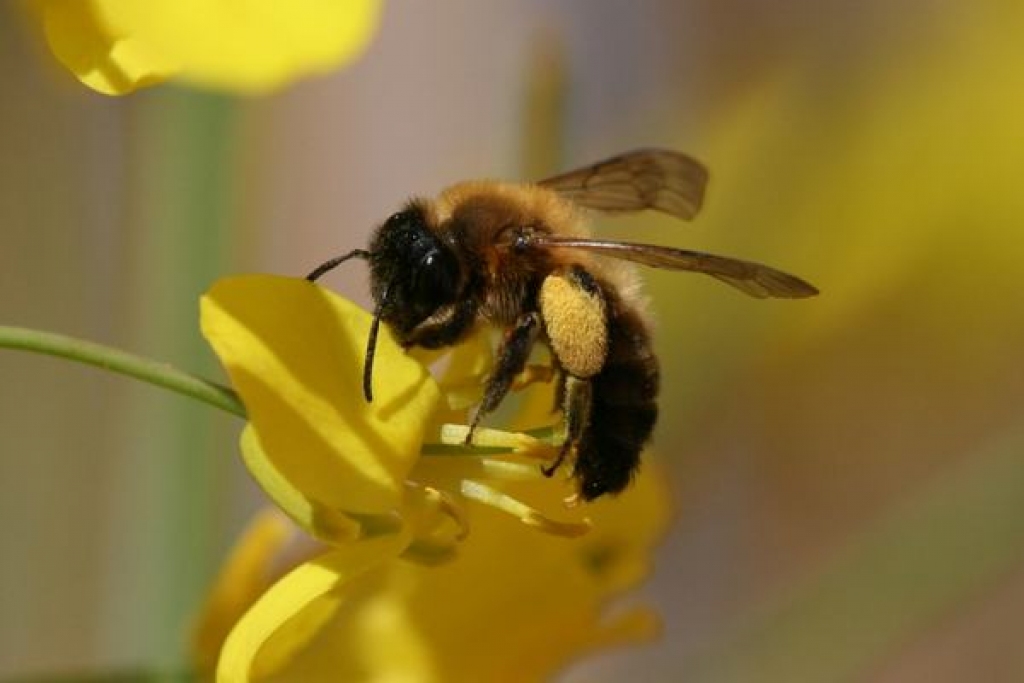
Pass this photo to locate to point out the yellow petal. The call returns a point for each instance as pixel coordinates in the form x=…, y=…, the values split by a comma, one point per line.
x=295, y=609
x=105, y=59
x=294, y=352
x=330, y=525
x=371, y=637
x=251, y=568
x=116, y=46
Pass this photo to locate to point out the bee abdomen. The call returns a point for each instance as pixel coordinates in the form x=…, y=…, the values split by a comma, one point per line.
x=623, y=407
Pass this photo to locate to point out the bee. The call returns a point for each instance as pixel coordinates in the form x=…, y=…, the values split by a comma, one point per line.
x=520, y=257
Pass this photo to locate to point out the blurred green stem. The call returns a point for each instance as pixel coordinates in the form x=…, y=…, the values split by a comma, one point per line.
x=114, y=360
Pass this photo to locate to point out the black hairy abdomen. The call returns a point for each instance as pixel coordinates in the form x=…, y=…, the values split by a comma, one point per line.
x=623, y=408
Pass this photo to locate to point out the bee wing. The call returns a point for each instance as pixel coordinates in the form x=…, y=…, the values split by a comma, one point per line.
x=644, y=179
x=752, y=278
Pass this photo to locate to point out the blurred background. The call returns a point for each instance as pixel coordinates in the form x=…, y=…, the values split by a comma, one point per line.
x=849, y=470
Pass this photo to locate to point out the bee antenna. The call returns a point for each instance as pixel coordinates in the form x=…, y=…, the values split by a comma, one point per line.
x=371, y=348
x=335, y=262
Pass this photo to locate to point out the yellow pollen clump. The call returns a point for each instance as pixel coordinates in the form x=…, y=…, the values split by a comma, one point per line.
x=576, y=324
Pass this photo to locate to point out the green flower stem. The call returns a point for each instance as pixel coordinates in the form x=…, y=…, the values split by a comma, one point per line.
x=168, y=377
x=114, y=360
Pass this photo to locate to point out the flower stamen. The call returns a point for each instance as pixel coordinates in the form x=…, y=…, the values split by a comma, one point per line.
x=526, y=514
x=497, y=440
x=510, y=471
x=443, y=502
x=455, y=434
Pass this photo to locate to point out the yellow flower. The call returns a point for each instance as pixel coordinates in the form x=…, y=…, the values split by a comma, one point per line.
x=340, y=467
x=350, y=473
x=517, y=605
x=117, y=46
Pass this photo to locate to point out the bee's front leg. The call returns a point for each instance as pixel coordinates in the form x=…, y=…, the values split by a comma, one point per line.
x=512, y=356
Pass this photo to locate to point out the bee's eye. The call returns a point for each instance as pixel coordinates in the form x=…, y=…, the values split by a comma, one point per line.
x=436, y=279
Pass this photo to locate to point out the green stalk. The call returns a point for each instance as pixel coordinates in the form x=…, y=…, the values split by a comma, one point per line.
x=122, y=362
x=169, y=377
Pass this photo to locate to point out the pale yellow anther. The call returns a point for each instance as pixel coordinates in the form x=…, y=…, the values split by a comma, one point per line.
x=510, y=471
x=484, y=437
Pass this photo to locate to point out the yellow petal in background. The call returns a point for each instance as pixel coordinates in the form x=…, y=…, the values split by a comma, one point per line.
x=295, y=354
x=295, y=609
x=103, y=58
x=256, y=561
x=116, y=46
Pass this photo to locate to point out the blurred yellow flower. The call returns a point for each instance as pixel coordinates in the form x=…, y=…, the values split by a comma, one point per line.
x=117, y=46
x=350, y=474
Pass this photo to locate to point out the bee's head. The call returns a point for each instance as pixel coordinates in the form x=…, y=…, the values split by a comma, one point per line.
x=412, y=273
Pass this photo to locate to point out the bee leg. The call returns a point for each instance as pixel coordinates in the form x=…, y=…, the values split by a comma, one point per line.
x=577, y=418
x=512, y=356
x=575, y=315
x=558, y=400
